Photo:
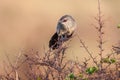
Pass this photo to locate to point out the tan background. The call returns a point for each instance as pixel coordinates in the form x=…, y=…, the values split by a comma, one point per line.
x=32, y=23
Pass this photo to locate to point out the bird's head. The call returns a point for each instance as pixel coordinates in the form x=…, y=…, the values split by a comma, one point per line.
x=66, y=24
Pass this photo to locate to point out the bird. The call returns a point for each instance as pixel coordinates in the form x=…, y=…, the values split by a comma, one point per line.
x=66, y=26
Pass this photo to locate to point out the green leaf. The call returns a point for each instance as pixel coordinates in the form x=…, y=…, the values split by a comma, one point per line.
x=91, y=70
x=112, y=60
x=71, y=76
x=108, y=60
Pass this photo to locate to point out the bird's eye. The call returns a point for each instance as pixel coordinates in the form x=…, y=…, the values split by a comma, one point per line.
x=64, y=20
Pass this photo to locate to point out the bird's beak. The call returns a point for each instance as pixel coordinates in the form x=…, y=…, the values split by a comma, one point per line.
x=60, y=21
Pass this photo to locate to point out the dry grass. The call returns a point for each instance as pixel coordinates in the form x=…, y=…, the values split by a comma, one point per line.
x=53, y=66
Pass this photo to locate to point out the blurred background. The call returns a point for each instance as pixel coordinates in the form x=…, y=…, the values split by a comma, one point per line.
x=31, y=23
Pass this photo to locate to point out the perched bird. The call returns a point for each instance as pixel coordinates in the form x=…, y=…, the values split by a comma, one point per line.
x=65, y=29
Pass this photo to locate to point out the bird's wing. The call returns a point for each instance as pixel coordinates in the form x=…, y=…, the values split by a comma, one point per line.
x=53, y=41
